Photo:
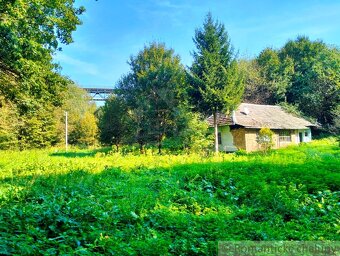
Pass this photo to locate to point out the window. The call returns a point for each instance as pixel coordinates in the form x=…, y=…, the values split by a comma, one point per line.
x=219, y=138
x=284, y=136
x=306, y=134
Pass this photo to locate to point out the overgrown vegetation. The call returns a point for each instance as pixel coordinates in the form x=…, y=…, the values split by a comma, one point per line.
x=101, y=202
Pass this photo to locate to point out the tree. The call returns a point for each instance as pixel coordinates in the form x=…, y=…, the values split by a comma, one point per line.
x=114, y=121
x=315, y=82
x=194, y=134
x=31, y=31
x=276, y=74
x=82, y=123
x=256, y=90
x=38, y=129
x=216, y=84
x=266, y=78
x=85, y=131
x=154, y=90
x=303, y=73
x=8, y=125
x=137, y=105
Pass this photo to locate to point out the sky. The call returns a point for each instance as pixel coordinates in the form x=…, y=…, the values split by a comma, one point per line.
x=114, y=30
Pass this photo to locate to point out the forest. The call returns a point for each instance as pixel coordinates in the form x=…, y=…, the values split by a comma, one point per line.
x=159, y=102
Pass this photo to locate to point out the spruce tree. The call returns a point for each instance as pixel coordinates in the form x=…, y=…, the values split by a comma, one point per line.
x=216, y=85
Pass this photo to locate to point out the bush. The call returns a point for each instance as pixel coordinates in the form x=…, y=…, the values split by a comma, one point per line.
x=265, y=139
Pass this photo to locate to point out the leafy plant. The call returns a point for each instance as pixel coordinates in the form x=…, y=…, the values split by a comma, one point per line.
x=265, y=139
x=107, y=202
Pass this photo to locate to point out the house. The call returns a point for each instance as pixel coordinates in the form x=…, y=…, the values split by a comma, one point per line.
x=240, y=129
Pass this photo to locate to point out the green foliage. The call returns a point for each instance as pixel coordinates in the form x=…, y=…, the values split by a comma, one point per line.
x=32, y=30
x=30, y=33
x=276, y=74
x=267, y=77
x=192, y=134
x=195, y=135
x=290, y=108
x=85, y=131
x=82, y=123
x=303, y=73
x=8, y=125
x=316, y=81
x=265, y=139
x=335, y=128
x=256, y=89
x=115, y=122
x=100, y=202
x=216, y=83
x=154, y=91
x=38, y=129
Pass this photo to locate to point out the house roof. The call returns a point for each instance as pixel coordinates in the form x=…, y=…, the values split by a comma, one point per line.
x=222, y=119
x=258, y=116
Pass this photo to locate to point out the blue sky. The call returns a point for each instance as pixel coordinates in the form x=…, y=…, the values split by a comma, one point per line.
x=114, y=30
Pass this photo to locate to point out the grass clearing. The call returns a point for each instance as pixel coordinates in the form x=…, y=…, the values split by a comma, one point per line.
x=98, y=202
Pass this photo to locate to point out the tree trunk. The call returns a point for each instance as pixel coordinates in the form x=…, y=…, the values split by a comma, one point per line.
x=160, y=138
x=141, y=148
x=216, y=132
x=159, y=148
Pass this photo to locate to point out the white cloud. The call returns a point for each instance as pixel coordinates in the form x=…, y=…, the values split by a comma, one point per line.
x=79, y=65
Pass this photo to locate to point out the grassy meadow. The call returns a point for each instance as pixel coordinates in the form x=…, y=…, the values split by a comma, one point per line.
x=85, y=202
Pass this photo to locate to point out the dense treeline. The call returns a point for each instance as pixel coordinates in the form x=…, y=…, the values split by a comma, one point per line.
x=158, y=94
x=159, y=102
x=151, y=105
x=303, y=75
x=32, y=92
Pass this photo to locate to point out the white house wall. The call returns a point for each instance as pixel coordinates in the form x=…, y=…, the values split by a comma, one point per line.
x=227, y=139
x=305, y=138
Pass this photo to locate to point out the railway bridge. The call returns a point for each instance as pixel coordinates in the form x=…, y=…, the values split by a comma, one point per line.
x=99, y=94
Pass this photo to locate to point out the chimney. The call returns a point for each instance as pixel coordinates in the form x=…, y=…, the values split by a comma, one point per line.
x=245, y=111
x=233, y=117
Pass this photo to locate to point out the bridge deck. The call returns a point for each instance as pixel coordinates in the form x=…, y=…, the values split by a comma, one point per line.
x=99, y=94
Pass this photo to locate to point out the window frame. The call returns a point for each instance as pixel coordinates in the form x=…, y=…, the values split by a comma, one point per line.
x=285, y=136
x=219, y=138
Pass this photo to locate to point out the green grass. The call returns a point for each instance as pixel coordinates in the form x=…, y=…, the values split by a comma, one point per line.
x=99, y=202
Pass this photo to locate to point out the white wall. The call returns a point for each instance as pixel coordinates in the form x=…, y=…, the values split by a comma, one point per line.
x=227, y=139
x=305, y=138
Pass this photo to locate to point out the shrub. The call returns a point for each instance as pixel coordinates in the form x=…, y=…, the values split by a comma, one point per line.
x=265, y=139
